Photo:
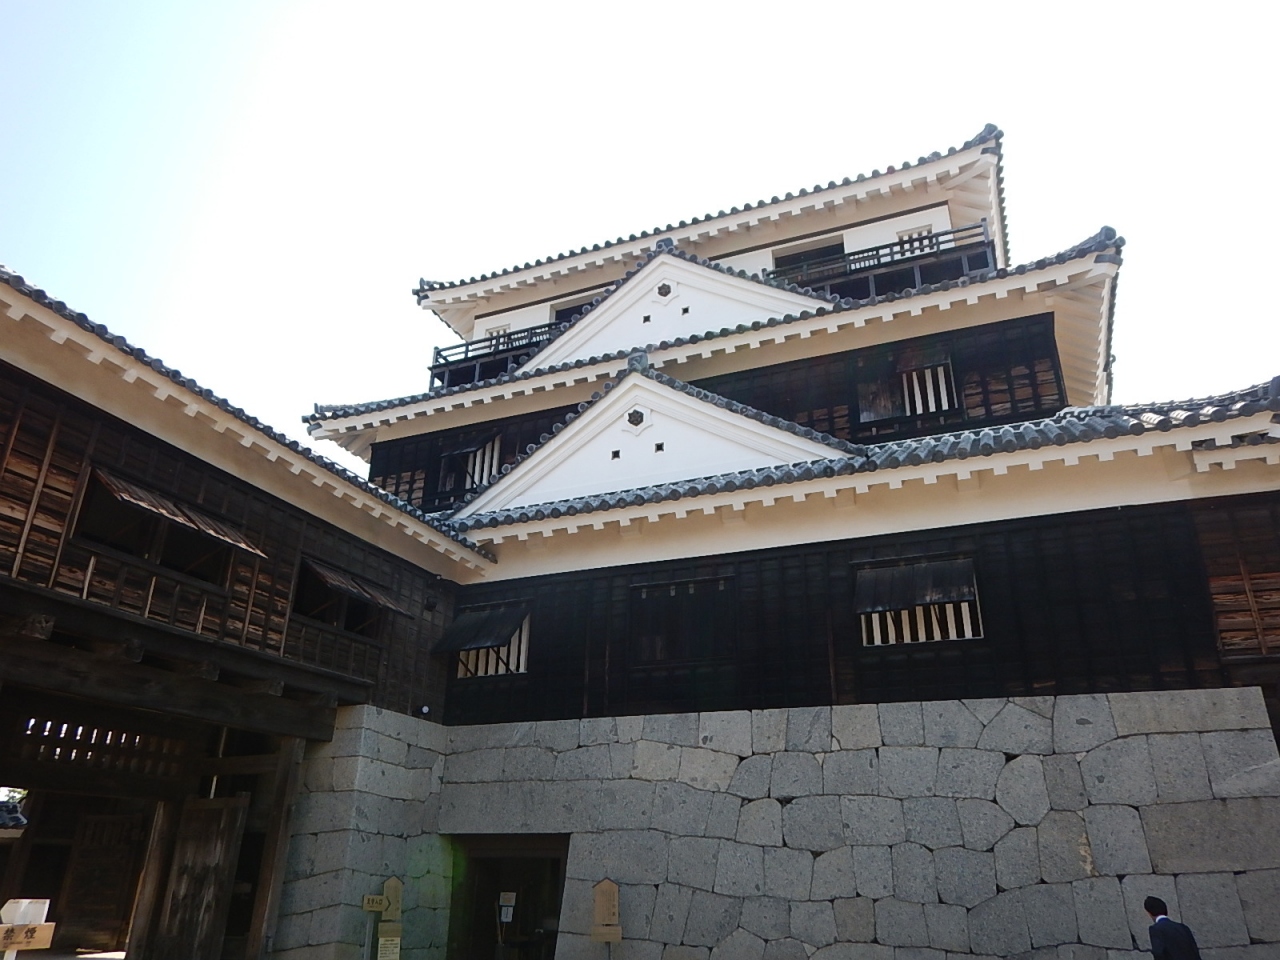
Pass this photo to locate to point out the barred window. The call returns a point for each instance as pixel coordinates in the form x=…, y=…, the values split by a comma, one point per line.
x=682, y=620
x=917, y=603
x=489, y=641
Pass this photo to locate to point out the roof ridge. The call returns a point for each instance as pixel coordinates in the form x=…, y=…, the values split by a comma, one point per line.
x=1098, y=243
x=988, y=133
x=16, y=282
x=1067, y=426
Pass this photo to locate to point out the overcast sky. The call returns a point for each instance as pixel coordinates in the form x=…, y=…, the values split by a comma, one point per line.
x=249, y=189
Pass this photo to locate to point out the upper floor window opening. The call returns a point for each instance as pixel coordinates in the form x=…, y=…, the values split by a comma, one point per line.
x=339, y=599
x=488, y=641
x=682, y=621
x=917, y=602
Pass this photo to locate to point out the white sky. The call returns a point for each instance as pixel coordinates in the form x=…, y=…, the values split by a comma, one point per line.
x=249, y=189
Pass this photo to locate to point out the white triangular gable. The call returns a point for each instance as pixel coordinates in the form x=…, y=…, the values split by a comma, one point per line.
x=641, y=434
x=670, y=297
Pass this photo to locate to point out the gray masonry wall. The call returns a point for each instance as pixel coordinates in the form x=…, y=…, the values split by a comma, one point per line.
x=894, y=832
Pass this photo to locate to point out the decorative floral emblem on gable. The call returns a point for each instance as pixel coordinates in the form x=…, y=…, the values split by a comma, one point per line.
x=664, y=289
x=635, y=417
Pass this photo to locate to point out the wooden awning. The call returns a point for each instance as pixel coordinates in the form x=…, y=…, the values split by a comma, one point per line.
x=171, y=510
x=910, y=585
x=482, y=629
x=354, y=587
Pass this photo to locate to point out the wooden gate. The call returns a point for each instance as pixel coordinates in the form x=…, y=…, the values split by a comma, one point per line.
x=198, y=896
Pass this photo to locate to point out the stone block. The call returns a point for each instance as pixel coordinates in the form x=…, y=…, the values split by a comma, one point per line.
x=622, y=804
x=1255, y=951
x=813, y=923
x=1120, y=772
x=788, y=874
x=872, y=820
x=949, y=723
x=902, y=724
x=1189, y=711
x=1081, y=723
x=674, y=951
x=1063, y=844
x=854, y=951
x=948, y=926
x=982, y=823
x=528, y=763
x=597, y=730
x=670, y=912
x=786, y=949
x=712, y=917
x=680, y=809
x=624, y=856
x=768, y=731
x=1211, y=907
x=727, y=732
x=1051, y=913
x=635, y=909
x=833, y=875
x=998, y=927
x=932, y=822
x=760, y=822
x=1242, y=763
x=855, y=919
x=557, y=735
x=1177, y=761
x=1136, y=888
x=739, y=945
x=1041, y=705
x=1021, y=790
x=691, y=862
x=987, y=709
x=965, y=877
x=655, y=761
x=722, y=820
x=752, y=778
x=680, y=729
x=469, y=807
x=850, y=771
x=1100, y=913
x=874, y=868
x=707, y=769
x=795, y=775
x=622, y=760
x=1213, y=835
x=855, y=727
x=814, y=823
x=908, y=771
x=739, y=870
x=1017, y=863
x=913, y=875
x=1064, y=783
x=767, y=917
x=901, y=923
x=1016, y=729
x=968, y=773
x=475, y=766
x=1260, y=898
x=1117, y=841
x=809, y=729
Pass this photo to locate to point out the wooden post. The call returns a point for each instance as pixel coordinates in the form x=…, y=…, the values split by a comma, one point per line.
x=155, y=869
x=275, y=854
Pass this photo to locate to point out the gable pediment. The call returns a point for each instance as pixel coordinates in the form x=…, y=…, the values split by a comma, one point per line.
x=646, y=431
x=670, y=297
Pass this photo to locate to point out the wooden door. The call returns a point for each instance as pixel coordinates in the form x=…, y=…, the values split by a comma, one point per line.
x=98, y=890
x=198, y=896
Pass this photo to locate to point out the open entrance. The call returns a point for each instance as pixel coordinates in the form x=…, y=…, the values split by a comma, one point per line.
x=150, y=835
x=507, y=892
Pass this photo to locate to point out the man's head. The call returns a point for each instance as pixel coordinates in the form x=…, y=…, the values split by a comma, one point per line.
x=1155, y=907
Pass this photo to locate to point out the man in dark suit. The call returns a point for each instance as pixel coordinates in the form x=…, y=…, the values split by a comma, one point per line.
x=1170, y=940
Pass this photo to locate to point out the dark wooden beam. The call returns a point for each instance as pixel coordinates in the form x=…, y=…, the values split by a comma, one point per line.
x=74, y=778
x=123, y=650
x=266, y=901
x=39, y=626
x=272, y=688
x=49, y=666
x=87, y=619
x=236, y=766
x=203, y=669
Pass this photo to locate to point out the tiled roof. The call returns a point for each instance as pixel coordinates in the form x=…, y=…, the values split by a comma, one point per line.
x=1072, y=425
x=989, y=134
x=120, y=343
x=1105, y=243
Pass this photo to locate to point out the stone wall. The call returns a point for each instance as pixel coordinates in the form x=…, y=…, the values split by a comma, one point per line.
x=900, y=831
x=366, y=812
x=894, y=832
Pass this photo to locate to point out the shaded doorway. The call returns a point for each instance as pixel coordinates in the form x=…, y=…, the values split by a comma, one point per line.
x=506, y=900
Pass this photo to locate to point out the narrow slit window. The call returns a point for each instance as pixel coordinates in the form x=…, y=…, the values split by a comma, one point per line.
x=488, y=641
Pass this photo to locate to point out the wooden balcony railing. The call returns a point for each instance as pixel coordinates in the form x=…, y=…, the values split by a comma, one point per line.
x=488, y=357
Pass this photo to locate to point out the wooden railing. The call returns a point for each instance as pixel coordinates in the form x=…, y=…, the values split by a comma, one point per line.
x=508, y=342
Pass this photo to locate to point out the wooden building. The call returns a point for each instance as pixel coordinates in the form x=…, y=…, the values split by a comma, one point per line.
x=830, y=448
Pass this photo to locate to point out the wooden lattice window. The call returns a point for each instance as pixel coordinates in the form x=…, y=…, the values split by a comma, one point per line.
x=99, y=747
x=1240, y=543
x=684, y=620
x=917, y=603
x=488, y=641
x=916, y=241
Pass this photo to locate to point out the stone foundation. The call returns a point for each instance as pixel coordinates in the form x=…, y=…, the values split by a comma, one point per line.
x=901, y=831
